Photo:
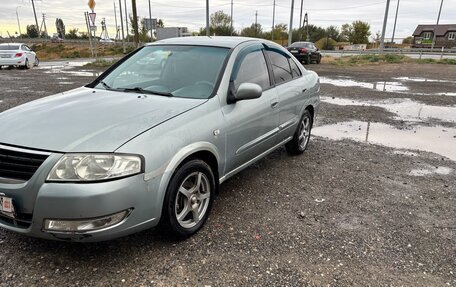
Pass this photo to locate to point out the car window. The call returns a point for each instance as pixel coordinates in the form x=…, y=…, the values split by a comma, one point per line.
x=178, y=70
x=253, y=69
x=294, y=69
x=6, y=47
x=280, y=67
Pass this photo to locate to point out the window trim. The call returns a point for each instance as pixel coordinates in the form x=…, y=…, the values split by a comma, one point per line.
x=425, y=34
x=451, y=36
x=286, y=56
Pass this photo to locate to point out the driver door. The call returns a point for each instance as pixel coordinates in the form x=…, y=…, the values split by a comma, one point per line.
x=251, y=125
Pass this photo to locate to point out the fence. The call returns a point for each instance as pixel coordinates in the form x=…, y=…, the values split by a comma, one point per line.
x=418, y=53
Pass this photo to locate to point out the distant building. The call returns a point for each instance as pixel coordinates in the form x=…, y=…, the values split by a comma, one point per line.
x=172, y=32
x=445, y=36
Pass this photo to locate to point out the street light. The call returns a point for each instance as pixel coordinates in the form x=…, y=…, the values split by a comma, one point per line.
x=18, y=23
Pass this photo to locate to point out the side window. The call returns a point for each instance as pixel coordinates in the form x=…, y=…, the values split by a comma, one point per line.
x=294, y=69
x=280, y=67
x=253, y=69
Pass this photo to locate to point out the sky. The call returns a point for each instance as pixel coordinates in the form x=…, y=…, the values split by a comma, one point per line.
x=191, y=14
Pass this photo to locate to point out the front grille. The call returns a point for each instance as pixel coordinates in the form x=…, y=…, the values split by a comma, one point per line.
x=19, y=164
x=21, y=220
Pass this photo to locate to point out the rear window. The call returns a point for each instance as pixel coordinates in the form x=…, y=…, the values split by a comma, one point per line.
x=301, y=44
x=9, y=47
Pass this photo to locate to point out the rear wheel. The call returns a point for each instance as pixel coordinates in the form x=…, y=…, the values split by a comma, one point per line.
x=188, y=199
x=319, y=59
x=302, y=135
x=27, y=64
x=37, y=62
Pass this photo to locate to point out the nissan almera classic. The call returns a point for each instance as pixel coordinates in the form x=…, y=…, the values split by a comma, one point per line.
x=150, y=142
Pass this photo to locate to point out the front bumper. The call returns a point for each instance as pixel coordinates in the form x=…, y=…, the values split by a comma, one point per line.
x=71, y=201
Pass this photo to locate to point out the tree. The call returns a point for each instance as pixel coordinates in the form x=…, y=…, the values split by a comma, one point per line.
x=32, y=31
x=72, y=34
x=357, y=33
x=333, y=33
x=60, y=27
x=220, y=25
x=255, y=30
x=408, y=40
x=160, y=23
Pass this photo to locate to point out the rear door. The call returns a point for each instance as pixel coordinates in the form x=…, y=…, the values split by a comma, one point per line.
x=290, y=88
x=251, y=125
x=30, y=54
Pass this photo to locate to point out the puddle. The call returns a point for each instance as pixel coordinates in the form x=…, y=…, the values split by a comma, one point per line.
x=379, y=86
x=407, y=153
x=397, y=86
x=405, y=109
x=422, y=80
x=66, y=83
x=82, y=73
x=438, y=139
x=429, y=170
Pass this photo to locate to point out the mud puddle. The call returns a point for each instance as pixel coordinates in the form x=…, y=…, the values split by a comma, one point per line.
x=438, y=139
x=399, y=85
x=405, y=109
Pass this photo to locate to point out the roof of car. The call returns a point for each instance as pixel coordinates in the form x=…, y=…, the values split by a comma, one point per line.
x=218, y=41
x=11, y=44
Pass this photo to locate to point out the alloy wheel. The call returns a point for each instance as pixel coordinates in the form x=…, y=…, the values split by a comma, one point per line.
x=304, y=132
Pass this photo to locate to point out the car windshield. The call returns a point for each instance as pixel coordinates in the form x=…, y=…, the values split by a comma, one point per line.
x=300, y=44
x=174, y=70
x=9, y=47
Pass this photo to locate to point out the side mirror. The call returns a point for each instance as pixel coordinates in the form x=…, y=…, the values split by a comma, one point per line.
x=248, y=91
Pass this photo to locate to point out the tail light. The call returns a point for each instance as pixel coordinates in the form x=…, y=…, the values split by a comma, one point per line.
x=18, y=55
x=303, y=50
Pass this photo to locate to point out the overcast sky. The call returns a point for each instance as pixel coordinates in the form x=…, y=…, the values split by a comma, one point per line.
x=191, y=14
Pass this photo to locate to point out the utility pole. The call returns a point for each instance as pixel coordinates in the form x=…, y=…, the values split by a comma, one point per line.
x=306, y=22
x=231, y=26
x=121, y=25
x=36, y=19
x=385, y=20
x=273, y=20
x=435, y=28
x=126, y=19
x=86, y=16
x=256, y=22
x=395, y=21
x=207, y=18
x=115, y=19
x=150, y=22
x=45, y=28
x=135, y=22
x=290, y=30
x=18, y=23
x=300, y=15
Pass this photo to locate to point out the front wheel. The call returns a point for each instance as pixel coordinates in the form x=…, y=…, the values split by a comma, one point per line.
x=188, y=198
x=302, y=135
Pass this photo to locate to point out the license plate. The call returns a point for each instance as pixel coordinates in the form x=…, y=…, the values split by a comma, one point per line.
x=6, y=205
x=5, y=56
x=294, y=51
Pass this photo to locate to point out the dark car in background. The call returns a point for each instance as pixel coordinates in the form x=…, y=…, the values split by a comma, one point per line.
x=305, y=52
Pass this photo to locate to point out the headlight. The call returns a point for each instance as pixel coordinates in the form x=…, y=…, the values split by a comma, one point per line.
x=94, y=167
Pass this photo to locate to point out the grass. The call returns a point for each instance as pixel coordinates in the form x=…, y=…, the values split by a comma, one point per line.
x=55, y=51
x=101, y=63
x=373, y=59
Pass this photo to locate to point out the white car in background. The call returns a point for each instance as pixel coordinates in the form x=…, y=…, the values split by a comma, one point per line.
x=19, y=55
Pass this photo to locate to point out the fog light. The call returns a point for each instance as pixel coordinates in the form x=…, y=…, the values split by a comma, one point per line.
x=84, y=225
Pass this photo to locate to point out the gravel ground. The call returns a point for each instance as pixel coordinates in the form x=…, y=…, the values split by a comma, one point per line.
x=345, y=213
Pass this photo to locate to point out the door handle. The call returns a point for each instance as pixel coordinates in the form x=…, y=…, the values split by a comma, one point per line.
x=274, y=104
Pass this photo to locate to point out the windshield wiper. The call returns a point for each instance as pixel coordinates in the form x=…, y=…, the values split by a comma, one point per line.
x=143, y=91
x=106, y=86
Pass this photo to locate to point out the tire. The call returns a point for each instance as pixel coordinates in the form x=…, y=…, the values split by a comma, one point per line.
x=319, y=59
x=307, y=61
x=27, y=64
x=37, y=62
x=189, y=195
x=300, y=140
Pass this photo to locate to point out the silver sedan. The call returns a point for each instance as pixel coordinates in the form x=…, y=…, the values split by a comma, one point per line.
x=149, y=144
x=18, y=55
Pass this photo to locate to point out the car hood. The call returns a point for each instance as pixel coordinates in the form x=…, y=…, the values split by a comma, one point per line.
x=87, y=120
